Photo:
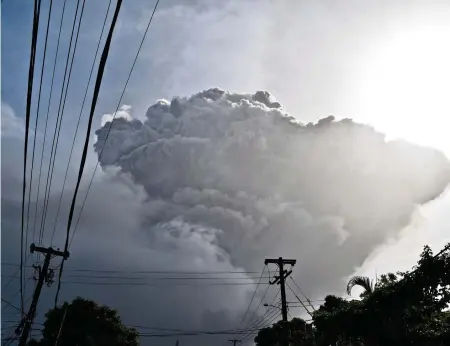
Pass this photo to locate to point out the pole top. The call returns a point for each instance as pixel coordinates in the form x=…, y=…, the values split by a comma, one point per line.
x=280, y=260
x=49, y=250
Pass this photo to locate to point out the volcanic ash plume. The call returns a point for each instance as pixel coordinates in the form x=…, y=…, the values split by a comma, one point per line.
x=255, y=182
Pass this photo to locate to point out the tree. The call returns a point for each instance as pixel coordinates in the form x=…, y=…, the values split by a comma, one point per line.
x=298, y=332
x=362, y=281
x=83, y=322
x=403, y=310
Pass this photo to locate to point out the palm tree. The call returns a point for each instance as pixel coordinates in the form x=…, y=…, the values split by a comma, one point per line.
x=362, y=281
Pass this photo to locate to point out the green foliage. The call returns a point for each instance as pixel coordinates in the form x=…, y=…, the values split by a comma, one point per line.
x=362, y=281
x=297, y=332
x=402, y=309
x=85, y=323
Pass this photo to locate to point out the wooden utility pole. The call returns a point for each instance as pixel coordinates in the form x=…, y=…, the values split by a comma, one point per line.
x=234, y=341
x=280, y=280
x=43, y=276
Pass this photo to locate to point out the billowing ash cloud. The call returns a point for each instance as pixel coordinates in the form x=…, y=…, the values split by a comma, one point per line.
x=237, y=176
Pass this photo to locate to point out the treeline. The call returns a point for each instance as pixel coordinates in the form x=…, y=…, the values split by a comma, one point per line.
x=401, y=309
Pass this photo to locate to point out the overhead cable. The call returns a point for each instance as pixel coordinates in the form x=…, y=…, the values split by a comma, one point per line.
x=253, y=296
x=98, y=82
x=46, y=119
x=304, y=295
x=112, y=120
x=36, y=14
x=37, y=119
x=60, y=113
x=78, y=122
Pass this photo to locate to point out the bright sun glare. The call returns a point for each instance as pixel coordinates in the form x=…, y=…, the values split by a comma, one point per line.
x=405, y=88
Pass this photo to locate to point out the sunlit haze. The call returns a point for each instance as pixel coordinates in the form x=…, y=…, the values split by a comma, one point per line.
x=405, y=85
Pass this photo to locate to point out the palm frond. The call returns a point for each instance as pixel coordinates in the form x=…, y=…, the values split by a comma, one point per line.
x=362, y=281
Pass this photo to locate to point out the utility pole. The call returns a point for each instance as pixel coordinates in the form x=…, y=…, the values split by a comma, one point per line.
x=280, y=280
x=43, y=276
x=234, y=341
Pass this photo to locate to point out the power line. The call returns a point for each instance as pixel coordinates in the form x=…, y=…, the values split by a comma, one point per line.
x=264, y=323
x=304, y=295
x=8, y=341
x=251, y=324
x=17, y=321
x=114, y=116
x=46, y=121
x=275, y=297
x=256, y=310
x=268, y=315
x=78, y=122
x=98, y=82
x=162, y=278
x=189, y=331
x=36, y=123
x=17, y=271
x=230, y=332
x=17, y=292
x=253, y=296
x=162, y=285
x=60, y=114
x=309, y=313
x=152, y=278
x=163, y=272
x=37, y=119
x=179, y=332
x=259, y=322
x=12, y=305
x=184, y=272
x=36, y=14
x=307, y=301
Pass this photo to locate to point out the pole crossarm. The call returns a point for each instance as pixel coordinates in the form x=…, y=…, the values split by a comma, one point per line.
x=234, y=341
x=49, y=250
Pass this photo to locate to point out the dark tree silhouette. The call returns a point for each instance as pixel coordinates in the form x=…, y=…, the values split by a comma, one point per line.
x=402, y=310
x=362, y=281
x=297, y=331
x=84, y=322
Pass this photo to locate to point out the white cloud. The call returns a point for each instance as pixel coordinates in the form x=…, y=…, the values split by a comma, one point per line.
x=429, y=226
x=11, y=124
x=306, y=63
x=237, y=163
x=123, y=112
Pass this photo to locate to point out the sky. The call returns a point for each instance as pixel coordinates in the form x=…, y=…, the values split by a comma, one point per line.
x=381, y=63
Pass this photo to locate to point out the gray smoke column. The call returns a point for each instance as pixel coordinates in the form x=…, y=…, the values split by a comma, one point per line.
x=253, y=181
